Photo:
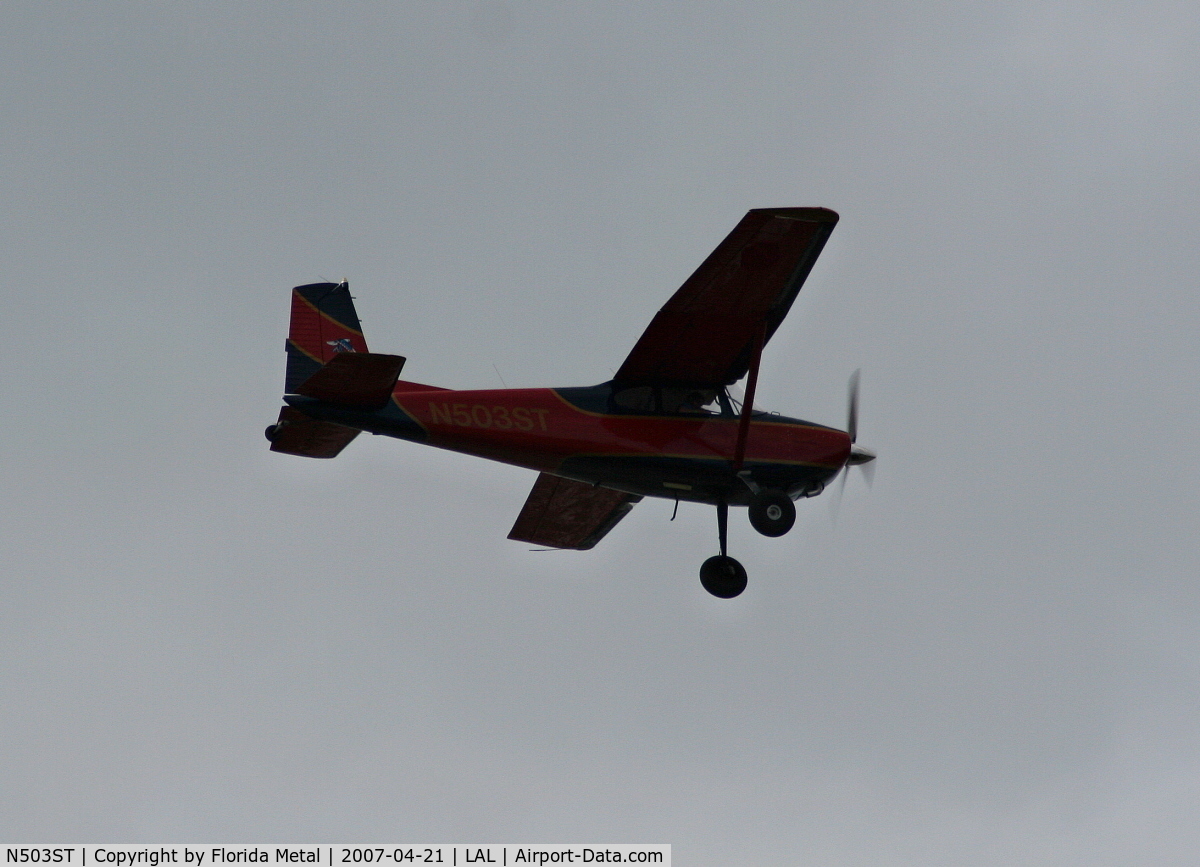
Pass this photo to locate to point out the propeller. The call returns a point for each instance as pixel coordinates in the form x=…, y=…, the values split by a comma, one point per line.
x=859, y=457
x=852, y=406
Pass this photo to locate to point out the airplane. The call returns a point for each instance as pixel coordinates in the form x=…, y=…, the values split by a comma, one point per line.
x=666, y=425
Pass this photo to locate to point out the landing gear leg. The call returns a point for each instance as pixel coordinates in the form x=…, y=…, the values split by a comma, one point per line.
x=722, y=576
x=723, y=524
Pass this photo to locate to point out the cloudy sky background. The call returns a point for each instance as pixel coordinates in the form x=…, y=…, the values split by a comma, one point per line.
x=991, y=657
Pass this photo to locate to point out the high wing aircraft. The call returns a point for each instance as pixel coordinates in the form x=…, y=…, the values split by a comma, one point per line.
x=665, y=426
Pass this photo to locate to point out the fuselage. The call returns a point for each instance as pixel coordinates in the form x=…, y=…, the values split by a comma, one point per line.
x=588, y=435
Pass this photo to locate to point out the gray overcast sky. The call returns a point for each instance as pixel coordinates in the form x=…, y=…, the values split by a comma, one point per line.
x=991, y=657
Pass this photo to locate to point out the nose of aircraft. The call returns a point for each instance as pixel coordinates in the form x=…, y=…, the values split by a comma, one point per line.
x=859, y=455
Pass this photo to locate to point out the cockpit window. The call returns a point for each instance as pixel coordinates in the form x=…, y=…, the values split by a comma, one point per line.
x=671, y=400
x=640, y=399
x=691, y=401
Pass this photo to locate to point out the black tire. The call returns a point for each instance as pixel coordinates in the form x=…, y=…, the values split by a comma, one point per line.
x=723, y=577
x=271, y=431
x=772, y=512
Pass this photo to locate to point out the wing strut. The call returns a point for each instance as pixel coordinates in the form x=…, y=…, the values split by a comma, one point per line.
x=739, y=452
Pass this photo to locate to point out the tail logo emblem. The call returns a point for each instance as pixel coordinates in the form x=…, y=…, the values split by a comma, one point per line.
x=341, y=345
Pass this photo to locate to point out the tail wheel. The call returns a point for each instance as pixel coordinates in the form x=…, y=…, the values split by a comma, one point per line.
x=772, y=513
x=723, y=577
x=271, y=431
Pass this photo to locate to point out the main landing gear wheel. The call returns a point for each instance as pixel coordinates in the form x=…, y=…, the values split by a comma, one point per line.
x=723, y=576
x=772, y=512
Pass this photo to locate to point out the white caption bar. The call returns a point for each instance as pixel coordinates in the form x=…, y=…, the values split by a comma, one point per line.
x=342, y=855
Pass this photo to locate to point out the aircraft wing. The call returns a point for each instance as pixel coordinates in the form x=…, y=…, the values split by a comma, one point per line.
x=563, y=513
x=704, y=335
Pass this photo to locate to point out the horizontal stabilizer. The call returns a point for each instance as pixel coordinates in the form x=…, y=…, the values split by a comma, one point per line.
x=563, y=513
x=297, y=434
x=363, y=380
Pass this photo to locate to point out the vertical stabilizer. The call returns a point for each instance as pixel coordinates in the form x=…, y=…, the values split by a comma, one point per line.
x=324, y=323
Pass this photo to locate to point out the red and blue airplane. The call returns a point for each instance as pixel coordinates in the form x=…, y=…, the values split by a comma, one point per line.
x=665, y=426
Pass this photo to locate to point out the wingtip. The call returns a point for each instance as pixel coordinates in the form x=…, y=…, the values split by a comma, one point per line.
x=810, y=215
